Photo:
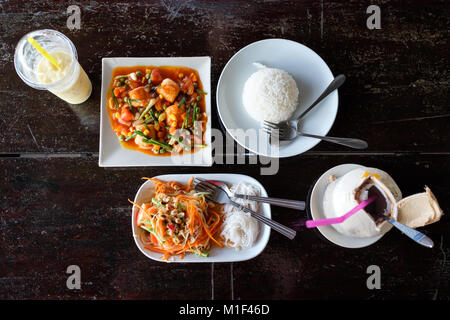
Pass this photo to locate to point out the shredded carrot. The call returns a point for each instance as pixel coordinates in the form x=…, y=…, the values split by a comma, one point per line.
x=189, y=185
x=200, y=222
x=155, y=249
x=152, y=179
x=160, y=186
x=182, y=196
x=205, y=227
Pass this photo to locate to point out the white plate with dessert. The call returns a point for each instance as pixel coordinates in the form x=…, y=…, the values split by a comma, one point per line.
x=343, y=187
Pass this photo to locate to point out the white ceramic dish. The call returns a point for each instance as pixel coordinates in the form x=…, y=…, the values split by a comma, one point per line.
x=216, y=254
x=112, y=154
x=309, y=71
x=316, y=209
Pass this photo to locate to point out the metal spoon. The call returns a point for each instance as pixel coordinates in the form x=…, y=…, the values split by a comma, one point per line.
x=417, y=236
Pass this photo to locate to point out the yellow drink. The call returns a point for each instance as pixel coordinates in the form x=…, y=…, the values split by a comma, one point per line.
x=76, y=90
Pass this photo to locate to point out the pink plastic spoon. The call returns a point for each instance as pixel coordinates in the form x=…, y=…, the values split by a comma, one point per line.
x=325, y=222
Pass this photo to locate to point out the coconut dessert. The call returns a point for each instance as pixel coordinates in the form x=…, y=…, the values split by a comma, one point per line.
x=270, y=94
x=346, y=192
x=419, y=209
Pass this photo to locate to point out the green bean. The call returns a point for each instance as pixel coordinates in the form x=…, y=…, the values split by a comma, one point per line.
x=185, y=122
x=149, y=80
x=131, y=137
x=158, y=143
x=194, y=113
x=127, y=100
x=130, y=106
x=145, y=112
x=116, y=104
x=155, y=119
x=181, y=101
x=201, y=92
x=141, y=134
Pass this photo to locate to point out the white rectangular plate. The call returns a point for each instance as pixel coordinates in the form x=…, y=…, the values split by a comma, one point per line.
x=216, y=254
x=112, y=154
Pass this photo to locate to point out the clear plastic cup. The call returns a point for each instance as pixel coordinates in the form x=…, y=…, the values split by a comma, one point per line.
x=70, y=82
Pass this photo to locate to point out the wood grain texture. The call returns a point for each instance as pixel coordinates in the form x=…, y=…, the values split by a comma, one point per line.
x=59, y=208
x=396, y=95
x=52, y=218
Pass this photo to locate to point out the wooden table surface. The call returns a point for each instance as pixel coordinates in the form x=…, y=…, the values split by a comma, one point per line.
x=59, y=208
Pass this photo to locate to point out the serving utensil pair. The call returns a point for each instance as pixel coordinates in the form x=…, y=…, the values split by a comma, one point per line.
x=289, y=130
x=219, y=192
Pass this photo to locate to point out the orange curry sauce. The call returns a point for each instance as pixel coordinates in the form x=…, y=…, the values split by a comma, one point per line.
x=169, y=102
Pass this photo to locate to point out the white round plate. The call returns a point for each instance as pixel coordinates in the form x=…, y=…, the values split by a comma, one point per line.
x=309, y=71
x=317, y=211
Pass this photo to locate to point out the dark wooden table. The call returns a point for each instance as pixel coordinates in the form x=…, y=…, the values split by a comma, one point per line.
x=59, y=208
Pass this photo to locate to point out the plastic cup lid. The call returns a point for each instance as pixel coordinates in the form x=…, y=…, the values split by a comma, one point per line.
x=27, y=58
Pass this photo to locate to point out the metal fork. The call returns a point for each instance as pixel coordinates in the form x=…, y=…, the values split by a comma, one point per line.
x=289, y=133
x=286, y=203
x=217, y=195
x=289, y=130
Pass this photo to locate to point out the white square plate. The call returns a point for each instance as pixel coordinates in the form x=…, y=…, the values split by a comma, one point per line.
x=216, y=254
x=112, y=154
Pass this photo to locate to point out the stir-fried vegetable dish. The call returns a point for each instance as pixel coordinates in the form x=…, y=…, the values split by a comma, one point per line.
x=178, y=220
x=158, y=110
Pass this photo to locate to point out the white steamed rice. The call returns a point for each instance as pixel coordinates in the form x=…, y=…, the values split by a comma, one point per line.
x=270, y=94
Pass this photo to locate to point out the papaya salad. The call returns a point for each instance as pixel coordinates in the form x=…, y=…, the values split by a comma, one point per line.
x=158, y=110
x=178, y=220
